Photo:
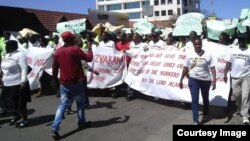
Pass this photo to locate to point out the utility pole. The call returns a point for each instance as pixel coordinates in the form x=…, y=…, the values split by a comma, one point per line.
x=212, y=7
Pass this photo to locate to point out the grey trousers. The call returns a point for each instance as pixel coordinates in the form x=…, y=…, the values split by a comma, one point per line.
x=241, y=92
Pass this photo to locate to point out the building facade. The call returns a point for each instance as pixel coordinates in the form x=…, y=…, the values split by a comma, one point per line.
x=158, y=10
x=115, y=18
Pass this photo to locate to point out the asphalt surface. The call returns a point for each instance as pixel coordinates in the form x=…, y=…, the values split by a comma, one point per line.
x=142, y=119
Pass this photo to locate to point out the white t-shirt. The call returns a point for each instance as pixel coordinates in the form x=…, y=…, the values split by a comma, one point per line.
x=136, y=48
x=240, y=60
x=158, y=44
x=14, y=68
x=140, y=45
x=189, y=46
x=199, y=66
x=109, y=44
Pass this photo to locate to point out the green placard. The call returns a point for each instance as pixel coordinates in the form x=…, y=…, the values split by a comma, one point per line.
x=215, y=28
x=187, y=23
x=244, y=13
x=143, y=27
x=75, y=26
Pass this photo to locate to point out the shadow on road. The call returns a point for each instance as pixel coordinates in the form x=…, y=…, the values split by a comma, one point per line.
x=4, y=121
x=98, y=124
x=41, y=120
x=98, y=104
x=111, y=121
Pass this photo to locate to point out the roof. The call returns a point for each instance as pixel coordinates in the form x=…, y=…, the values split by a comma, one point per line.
x=42, y=21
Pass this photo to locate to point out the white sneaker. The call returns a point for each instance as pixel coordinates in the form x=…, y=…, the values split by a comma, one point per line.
x=196, y=123
x=245, y=120
x=156, y=98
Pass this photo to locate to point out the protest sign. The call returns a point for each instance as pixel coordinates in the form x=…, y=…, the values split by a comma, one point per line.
x=110, y=64
x=38, y=59
x=187, y=23
x=143, y=27
x=75, y=26
x=244, y=13
x=157, y=73
x=216, y=27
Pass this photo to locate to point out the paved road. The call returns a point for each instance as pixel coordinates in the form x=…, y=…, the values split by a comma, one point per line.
x=142, y=119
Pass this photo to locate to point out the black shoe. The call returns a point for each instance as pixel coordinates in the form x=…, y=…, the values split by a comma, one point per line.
x=84, y=126
x=55, y=135
x=86, y=106
x=14, y=121
x=114, y=95
x=22, y=124
x=185, y=105
x=130, y=97
x=69, y=111
x=3, y=113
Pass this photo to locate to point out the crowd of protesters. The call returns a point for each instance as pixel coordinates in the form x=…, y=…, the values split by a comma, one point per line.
x=72, y=51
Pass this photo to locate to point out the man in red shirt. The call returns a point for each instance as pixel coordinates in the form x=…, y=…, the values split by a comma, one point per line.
x=68, y=60
x=124, y=45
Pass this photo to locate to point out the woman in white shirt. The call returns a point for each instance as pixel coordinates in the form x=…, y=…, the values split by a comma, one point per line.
x=15, y=82
x=197, y=65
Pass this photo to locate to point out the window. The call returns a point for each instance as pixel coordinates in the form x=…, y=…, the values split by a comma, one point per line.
x=136, y=15
x=114, y=7
x=156, y=13
x=170, y=12
x=185, y=11
x=178, y=11
x=163, y=13
x=178, y=2
x=101, y=7
x=185, y=2
x=103, y=17
x=197, y=5
x=156, y=2
x=163, y=2
x=145, y=3
x=132, y=5
x=170, y=1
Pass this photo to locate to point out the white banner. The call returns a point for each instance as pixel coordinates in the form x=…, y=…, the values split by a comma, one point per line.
x=38, y=59
x=110, y=64
x=157, y=73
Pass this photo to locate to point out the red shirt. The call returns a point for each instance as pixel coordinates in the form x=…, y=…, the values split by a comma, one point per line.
x=122, y=47
x=68, y=60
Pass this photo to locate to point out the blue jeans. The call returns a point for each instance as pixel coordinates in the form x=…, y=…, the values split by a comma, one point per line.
x=69, y=92
x=195, y=86
x=86, y=96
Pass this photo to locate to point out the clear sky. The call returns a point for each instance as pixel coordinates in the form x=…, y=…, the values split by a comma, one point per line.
x=222, y=8
x=226, y=9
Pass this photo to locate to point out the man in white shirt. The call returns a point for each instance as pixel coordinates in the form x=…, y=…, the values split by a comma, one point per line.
x=106, y=41
x=156, y=42
x=238, y=61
